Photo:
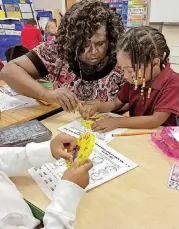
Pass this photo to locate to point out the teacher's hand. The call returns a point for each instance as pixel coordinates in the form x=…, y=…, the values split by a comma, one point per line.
x=87, y=111
x=67, y=99
x=89, y=108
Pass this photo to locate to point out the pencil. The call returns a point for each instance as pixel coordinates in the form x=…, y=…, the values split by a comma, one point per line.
x=75, y=153
x=131, y=134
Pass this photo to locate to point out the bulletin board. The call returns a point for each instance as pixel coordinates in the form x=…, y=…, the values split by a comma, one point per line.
x=19, y=9
x=134, y=12
x=13, y=13
x=10, y=31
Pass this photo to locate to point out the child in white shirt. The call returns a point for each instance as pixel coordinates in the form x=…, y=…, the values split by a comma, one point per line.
x=14, y=212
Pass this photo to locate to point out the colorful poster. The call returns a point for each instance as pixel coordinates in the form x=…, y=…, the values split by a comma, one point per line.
x=13, y=11
x=133, y=12
x=137, y=13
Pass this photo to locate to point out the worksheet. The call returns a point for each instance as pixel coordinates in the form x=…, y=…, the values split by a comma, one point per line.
x=75, y=128
x=107, y=165
x=8, y=102
x=5, y=89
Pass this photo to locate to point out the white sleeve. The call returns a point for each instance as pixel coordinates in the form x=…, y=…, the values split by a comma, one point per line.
x=61, y=213
x=15, y=160
x=14, y=211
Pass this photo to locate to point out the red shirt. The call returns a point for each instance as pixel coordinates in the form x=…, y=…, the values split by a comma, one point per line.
x=30, y=37
x=164, y=97
x=1, y=65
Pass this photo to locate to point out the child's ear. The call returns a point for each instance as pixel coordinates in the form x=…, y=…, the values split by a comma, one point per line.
x=156, y=62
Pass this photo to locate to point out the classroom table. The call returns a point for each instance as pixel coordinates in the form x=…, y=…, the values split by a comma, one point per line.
x=139, y=199
x=21, y=115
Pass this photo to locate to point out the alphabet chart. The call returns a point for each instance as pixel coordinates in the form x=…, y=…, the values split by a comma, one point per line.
x=75, y=128
x=107, y=165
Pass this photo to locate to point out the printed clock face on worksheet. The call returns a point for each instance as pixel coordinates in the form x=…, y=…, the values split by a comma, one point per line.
x=107, y=164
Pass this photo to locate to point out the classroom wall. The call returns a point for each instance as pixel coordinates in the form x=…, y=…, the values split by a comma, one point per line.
x=171, y=32
x=50, y=5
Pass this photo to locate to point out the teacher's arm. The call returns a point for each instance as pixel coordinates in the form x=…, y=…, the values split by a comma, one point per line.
x=21, y=75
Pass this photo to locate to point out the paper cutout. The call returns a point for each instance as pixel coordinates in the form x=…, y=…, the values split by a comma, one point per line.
x=85, y=143
x=88, y=123
x=107, y=164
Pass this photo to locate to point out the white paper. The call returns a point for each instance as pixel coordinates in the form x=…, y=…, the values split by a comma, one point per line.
x=7, y=90
x=9, y=32
x=107, y=165
x=6, y=26
x=27, y=15
x=28, y=102
x=76, y=128
x=43, y=22
x=25, y=8
x=17, y=33
x=9, y=102
x=175, y=133
x=2, y=32
x=12, y=32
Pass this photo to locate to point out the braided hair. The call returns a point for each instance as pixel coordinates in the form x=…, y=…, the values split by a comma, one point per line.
x=80, y=23
x=144, y=44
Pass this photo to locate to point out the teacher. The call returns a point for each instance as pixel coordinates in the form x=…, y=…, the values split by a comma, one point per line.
x=80, y=61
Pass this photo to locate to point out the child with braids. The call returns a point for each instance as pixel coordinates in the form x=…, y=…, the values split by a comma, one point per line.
x=151, y=87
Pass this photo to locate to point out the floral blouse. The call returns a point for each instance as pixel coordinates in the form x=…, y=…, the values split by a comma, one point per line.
x=103, y=87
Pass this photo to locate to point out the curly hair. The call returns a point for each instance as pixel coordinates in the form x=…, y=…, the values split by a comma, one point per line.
x=80, y=23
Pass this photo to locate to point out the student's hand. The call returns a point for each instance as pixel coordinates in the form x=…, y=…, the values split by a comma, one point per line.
x=78, y=174
x=60, y=143
x=67, y=99
x=88, y=110
x=105, y=125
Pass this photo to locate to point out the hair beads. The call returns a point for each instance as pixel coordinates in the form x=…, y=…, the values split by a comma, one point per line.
x=143, y=86
x=143, y=45
x=134, y=77
x=149, y=92
x=140, y=74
